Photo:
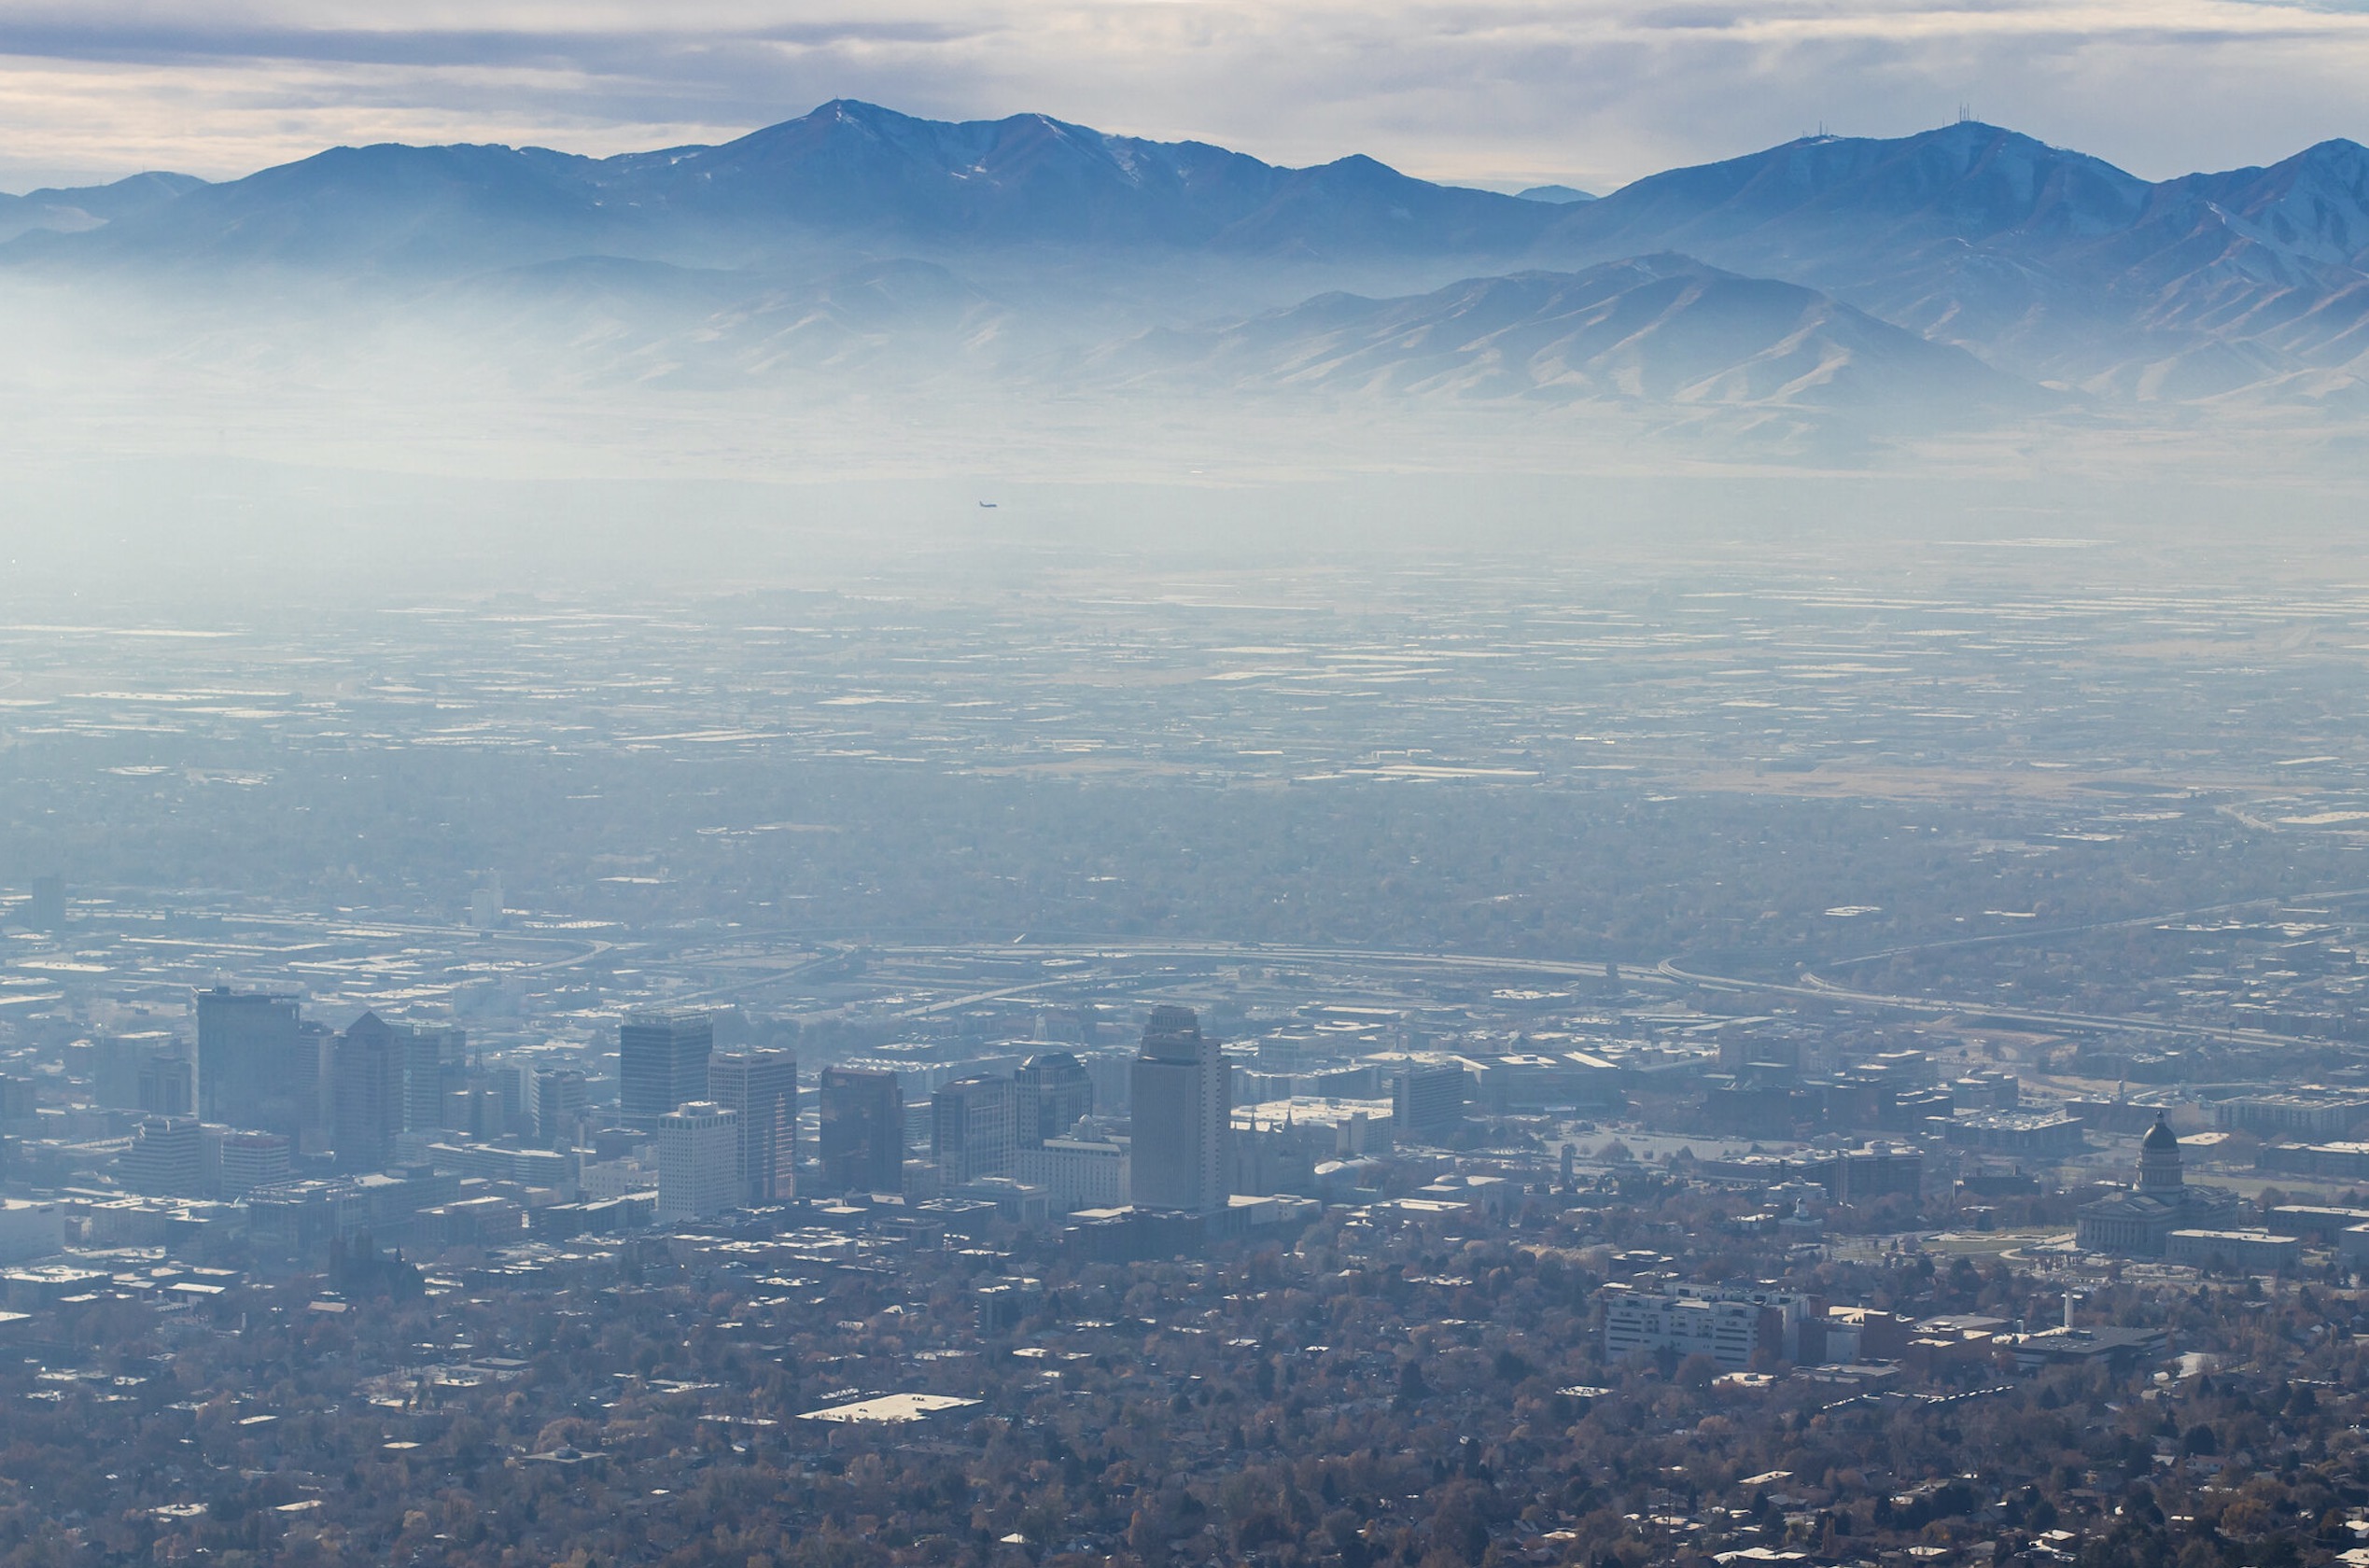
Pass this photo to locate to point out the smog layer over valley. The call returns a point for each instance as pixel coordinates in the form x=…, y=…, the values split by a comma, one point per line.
x=1471, y=800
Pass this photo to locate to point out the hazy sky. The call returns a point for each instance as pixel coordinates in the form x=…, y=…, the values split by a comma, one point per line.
x=1594, y=91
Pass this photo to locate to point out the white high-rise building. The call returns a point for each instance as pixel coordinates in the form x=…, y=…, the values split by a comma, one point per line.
x=1078, y=1173
x=485, y=902
x=698, y=1161
x=1182, y=1153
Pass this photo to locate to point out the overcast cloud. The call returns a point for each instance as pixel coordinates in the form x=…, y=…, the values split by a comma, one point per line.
x=1593, y=92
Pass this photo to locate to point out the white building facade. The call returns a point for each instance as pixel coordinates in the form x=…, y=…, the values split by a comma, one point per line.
x=1731, y=1324
x=698, y=1161
x=1077, y=1172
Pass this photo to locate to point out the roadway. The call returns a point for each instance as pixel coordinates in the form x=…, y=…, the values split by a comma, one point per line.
x=2047, y=1018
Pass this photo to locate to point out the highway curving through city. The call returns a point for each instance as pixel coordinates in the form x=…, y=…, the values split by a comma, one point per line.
x=1812, y=984
x=2047, y=1018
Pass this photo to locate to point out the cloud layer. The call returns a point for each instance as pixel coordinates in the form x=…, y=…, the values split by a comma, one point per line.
x=1592, y=92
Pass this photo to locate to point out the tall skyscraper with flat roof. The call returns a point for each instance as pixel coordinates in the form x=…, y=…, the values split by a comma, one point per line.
x=662, y=1062
x=250, y=1062
x=1427, y=1102
x=148, y=1072
x=761, y=1086
x=167, y=1086
x=971, y=1129
x=116, y=1063
x=20, y=1104
x=435, y=1063
x=46, y=910
x=366, y=1092
x=863, y=1131
x=1053, y=1092
x=1181, y=1153
x=562, y=1102
x=698, y=1161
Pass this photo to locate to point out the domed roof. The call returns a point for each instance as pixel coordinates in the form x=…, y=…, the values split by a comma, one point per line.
x=2161, y=1138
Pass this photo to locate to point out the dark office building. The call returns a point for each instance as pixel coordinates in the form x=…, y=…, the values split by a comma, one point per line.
x=561, y=1106
x=863, y=1131
x=19, y=1103
x=662, y=1062
x=142, y=1073
x=761, y=1087
x=971, y=1129
x=254, y=1066
x=167, y=1085
x=1427, y=1102
x=1053, y=1092
x=485, y=1105
x=115, y=1070
x=366, y=1088
x=46, y=909
x=1860, y=1175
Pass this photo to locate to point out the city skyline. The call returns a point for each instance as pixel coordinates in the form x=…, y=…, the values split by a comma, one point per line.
x=1136, y=783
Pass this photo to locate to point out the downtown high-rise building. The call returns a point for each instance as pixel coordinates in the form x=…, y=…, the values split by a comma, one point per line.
x=698, y=1161
x=116, y=1064
x=662, y=1062
x=562, y=1104
x=863, y=1131
x=1427, y=1102
x=367, y=1092
x=165, y=1159
x=972, y=1129
x=167, y=1085
x=761, y=1087
x=244, y=1161
x=435, y=1063
x=1181, y=1151
x=254, y=1066
x=46, y=910
x=19, y=1105
x=1055, y=1092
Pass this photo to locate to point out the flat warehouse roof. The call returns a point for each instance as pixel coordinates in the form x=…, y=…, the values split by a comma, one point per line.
x=889, y=1407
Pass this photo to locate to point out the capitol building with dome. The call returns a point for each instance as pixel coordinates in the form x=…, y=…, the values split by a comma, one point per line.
x=2138, y=1223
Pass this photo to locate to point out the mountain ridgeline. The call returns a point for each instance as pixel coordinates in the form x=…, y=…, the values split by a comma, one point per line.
x=1970, y=274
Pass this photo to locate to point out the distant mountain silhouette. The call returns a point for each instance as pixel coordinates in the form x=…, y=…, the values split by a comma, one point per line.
x=2042, y=263
x=89, y=206
x=848, y=172
x=1655, y=330
x=2048, y=262
x=1825, y=196
x=856, y=168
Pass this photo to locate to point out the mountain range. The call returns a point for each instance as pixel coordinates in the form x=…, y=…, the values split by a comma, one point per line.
x=1970, y=272
x=1658, y=330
